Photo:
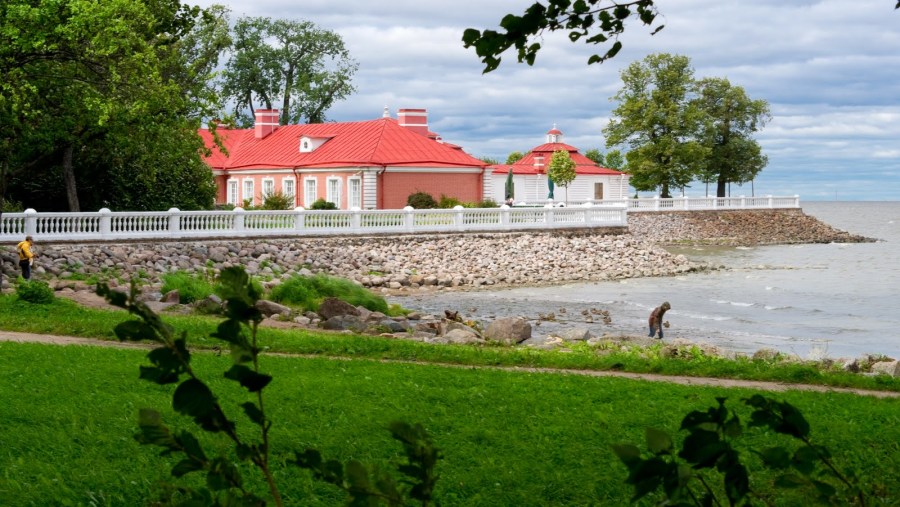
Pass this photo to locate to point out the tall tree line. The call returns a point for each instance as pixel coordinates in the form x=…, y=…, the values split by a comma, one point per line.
x=100, y=102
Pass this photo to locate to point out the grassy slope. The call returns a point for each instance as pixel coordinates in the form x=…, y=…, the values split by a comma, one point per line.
x=509, y=438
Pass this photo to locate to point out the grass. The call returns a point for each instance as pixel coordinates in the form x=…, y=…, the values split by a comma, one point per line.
x=190, y=286
x=307, y=292
x=508, y=438
x=64, y=317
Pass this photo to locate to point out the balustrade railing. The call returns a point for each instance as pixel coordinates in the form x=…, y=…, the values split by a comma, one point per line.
x=108, y=225
x=683, y=203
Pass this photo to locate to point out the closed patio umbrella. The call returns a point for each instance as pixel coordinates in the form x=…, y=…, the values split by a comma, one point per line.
x=549, y=186
x=510, y=189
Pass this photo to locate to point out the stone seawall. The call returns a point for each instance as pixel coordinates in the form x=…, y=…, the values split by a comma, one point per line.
x=437, y=261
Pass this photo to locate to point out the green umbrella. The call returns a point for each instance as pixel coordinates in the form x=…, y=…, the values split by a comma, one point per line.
x=509, y=185
x=550, y=186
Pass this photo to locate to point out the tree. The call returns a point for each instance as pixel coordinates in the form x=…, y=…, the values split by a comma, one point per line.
x=88, y=89
x=561, y=169
x=596, y=155
x=731, y=120
x=658, y=120
x=490, y=160
x=305, y=67
x=593, y=21
x=514, y=157
x=615, y=159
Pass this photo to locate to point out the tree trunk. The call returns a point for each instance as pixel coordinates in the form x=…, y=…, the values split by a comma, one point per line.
x=664, y=192
x=720, y=187
x=69, y=176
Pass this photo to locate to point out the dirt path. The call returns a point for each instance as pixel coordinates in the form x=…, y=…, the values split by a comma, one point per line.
x=11, y=336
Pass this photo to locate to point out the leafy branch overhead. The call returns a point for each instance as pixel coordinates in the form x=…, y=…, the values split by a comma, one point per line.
x=592, y=21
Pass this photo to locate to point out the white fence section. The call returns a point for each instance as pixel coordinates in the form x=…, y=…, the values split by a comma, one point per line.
x=685, y=203
x=107, y=225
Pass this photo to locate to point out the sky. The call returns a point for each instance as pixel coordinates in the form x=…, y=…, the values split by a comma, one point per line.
x=829, y=69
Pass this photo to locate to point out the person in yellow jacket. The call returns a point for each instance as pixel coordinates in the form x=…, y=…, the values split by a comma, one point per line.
x=26, y=256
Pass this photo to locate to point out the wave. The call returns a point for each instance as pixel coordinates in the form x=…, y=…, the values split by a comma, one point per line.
x=732, y=303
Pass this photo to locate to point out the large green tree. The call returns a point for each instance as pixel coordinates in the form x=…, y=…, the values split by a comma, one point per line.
x=93, y=94
x=658, y=120
x=294, y=65
x=731, y=120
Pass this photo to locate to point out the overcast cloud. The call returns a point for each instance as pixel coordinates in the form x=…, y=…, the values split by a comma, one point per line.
x=829, y=69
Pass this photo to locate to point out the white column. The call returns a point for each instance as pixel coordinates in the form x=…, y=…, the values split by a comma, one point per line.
x=370, y=189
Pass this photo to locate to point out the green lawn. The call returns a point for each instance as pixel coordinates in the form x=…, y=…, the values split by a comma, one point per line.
x=508, y=438
x=67, y=318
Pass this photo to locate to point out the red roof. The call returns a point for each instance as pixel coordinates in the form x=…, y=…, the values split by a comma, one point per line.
x=583, y=165
x=381, y=142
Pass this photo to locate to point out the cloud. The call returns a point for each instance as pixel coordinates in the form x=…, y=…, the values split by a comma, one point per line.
x=829, y=68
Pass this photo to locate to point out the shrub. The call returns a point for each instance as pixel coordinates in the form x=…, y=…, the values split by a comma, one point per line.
x=309, y=291
x=277, y=201
x=421, y=200
x=322, y=204
x=190, y=286
x=487, y=203
x=448, y=202
x=35, y=291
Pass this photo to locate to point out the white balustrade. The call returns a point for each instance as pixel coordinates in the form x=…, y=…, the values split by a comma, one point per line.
x=110, y=225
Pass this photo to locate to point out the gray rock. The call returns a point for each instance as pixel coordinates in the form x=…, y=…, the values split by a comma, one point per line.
x=393, y=325
x=332, y=307
x=344, y=323
x=508, y=330
x=446, y=326
x=269, y=308
x=461, y=336
x=891, y=368
x=173, y=296
x=575, y=334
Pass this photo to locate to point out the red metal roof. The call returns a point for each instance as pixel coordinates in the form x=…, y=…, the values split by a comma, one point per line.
x=381, y=142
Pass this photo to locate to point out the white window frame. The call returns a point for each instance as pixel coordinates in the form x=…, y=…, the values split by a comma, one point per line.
x=333, y=191
x=231, y=191
x=354, y=193
x=310, y=191
x=287, y=188
x=268, y=188
x=248, y=188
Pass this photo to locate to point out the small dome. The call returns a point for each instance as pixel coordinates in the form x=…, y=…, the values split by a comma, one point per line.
x=555, y=131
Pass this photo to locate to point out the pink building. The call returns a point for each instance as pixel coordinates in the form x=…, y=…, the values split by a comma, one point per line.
x=372, y=164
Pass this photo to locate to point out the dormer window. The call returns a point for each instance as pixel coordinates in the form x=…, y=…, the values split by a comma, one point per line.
x=309, y=144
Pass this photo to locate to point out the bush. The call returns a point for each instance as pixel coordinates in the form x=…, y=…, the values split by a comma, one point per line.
x=322, y=204
x=309, y=291
x=487, y=203
x=421, y=200
x=35, y=291
x=190, y=286
x=448, y=202
x=277, y=201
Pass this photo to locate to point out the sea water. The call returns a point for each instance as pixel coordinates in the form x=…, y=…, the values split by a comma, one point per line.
x=814, y=300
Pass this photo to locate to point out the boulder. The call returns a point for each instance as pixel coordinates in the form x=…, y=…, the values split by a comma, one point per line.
x=269, y=308
x=461, y=336
x=446, y=326
x=173, y=296
x=332, y=307
x=344, y=323
x=508, y=330
x=575, y=334
x=891, y=368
